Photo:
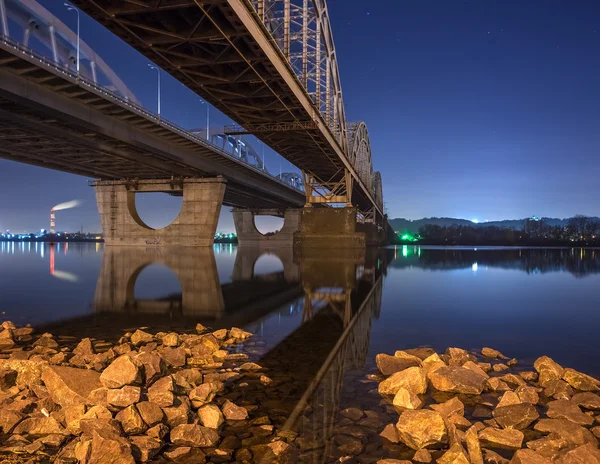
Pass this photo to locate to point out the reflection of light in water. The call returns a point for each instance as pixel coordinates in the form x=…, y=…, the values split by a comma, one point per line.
x=405, y=251
x=62, y=275
x=474, y=267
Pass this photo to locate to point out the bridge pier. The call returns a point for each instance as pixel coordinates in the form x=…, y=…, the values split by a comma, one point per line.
x=329, y=228
x=195, y=225
x=248, y=234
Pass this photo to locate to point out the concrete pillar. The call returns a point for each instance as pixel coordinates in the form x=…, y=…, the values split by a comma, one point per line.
x=248, y=234
x=195, y=225
x=329, y=228
x=247, y=256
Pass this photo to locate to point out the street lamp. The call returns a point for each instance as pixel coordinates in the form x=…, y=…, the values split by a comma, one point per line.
x=207, y=116
x=158, y=74
x=72, y=8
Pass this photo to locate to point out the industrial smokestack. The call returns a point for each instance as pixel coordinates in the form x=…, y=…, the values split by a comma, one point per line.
x=61, y=207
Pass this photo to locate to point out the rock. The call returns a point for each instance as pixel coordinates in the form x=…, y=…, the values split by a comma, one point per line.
x=97, y=412
x=473, y=446
x=501, y=438
x=547, y=369
x=565, y=409
x=558, y=389
x=389, y=365
x=250, y=366
x=495, y=384
x=140, y=337
x=151, y=413
x=8, y=378
x=405, y=399
x=28, y=372
x=84, y=348
x=390, y=433
x=177, y=415
x=412, y=378
x=432, y=363
x=239, y=334
x=455, y=455
x=513, y=379
x=194, y=435
x=500, y=367
x=98, y=397
x=529, y=376
x=580, y=381
x=161, y=392
x=186, y=455
x=154, y=366
x=159, y=431
x=277, y=452
x=131, y=421
x=171, y=339
x=107, y=448
x=475, y=368
x=527, y=395
x=458, y=356
x=39, y=426
x=422, y=428
x=491, y=353
x=9, y=419
x=587, y=400
x=584, y=454
x=144, y=448
x=509, y=398
x=210, y=416
x=516, y=416
x=175, y=357
x=349, y=445
x=451, y=407
x=233, y=412
x=69, y=386
x=353, y=414
x=202, y=394
x=457, y=379
x=527, y=456
x=46, y=341
x=122, y=371
x=573, y=433
x=73, y=416
x=549, y=446
x=123, y=397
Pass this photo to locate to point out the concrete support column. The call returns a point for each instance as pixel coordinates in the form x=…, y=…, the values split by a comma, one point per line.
x=248, y=234
x=195, y=225
x=329, y=228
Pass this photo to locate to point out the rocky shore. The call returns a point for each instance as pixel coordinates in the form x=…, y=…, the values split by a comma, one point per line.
x=164, y=397
x=472, y=408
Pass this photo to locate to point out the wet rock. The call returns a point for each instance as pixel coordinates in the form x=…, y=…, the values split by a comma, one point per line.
x=131, y=421
x=412, y=378
x=161, y=392
x=501, y=438
x=140, y=337
x=580, y=381
x=571, y=432
x=565, y=409
x=548, y=370
x=233, y=412
x=154, y=366
x=123, y=397
x=451, y=407
x=39, y=426
x=587, y=400
x=175, y=357
x=389, y=365
x=585, y=454
x=390, y=433
x=422, y=428
x=405, y=399
x=527, y=456
x=107, y=448
x=349, y=445
x=69, y=386
x=457, y=379
x=516, y=416
x=354, y=414
x=144, y=448
x=194, y=435
x=277, y=452
x=210, y=416
x=122, y=371
x=500, y=367
x=492, y=354
x=151, y=413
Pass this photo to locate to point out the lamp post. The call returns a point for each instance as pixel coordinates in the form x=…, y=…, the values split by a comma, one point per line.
x=158, y=74
x=207, y=117
x=72, y=8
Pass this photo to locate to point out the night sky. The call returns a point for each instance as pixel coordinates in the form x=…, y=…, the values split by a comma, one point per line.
x=477, y=109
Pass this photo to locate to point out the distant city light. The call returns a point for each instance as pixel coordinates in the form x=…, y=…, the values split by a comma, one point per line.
x=475, y=221
x=474, y=267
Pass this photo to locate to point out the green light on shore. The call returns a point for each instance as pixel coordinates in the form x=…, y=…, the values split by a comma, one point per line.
x=409, y=238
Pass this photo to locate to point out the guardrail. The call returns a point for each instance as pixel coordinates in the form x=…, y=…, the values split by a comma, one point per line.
x=134, y=107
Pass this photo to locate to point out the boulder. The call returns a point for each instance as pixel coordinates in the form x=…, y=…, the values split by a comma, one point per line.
x=587, y=400
x=509, y=398
x=234, y=412
x=109, y=449
x=159, y=431
x=171, y=339
x=500, y=367
x=458, y=356
x=457, y=379
x=584, y=454
x=154, y=366
x=144, y=448
x=73, y=416
x=516, y=416
x=473, y=446
x=432, y=363
x=194, y=435
x=475, y=368
x=492, y=354
x=421, y=428
x=495, y=384
x=151, y=413
x=569, y=431
x=161, y=392
x=547, y=369
x=390, y=433
x=501, y=438
x=29, y=372
x=8, y=378
x=565, y=409
x=413, y=379
x=527, y=456
x=131, y=421
x=210, y=416
x=528, y=395
x=580, y=381
x=140, y=337
x=39, y=426
x=455, y=455
x=558, y=389
x=9, y=419
x=175, y=357
x=123, y=397
x=177, y=415
x=451, y=407
x=69, y=386
x=122, y=371
x=389, y=365
x=84, y=348
x=405, y=399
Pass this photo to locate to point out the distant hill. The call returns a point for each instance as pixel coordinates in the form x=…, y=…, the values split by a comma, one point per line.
x=412, y=226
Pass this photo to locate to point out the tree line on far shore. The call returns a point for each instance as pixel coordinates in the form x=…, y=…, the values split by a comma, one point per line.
x=580, y=231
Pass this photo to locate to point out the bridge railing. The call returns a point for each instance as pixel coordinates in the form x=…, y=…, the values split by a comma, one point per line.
x=132, y=106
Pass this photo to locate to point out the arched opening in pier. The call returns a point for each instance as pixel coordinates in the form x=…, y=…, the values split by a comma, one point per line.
x=268, y=225
x=157, y=210
x=268, y=264
x=158, y=283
